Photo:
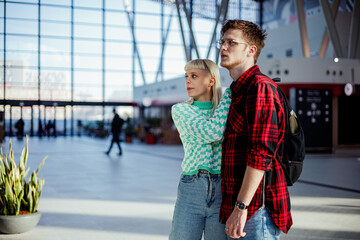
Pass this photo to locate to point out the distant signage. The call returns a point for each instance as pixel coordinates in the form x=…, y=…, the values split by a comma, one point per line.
x=314, y=110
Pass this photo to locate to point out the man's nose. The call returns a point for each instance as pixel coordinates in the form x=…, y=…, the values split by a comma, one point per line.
x=224, y=46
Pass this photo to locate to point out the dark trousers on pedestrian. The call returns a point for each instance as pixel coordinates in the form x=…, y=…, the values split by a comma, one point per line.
x=116, y=140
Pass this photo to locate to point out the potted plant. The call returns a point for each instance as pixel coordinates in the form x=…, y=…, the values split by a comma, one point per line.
x=129, y=131
x=154, y=130
x=19, y=198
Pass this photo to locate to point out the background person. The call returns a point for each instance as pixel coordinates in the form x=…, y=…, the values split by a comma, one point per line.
x=116, y=126
x=20, y=128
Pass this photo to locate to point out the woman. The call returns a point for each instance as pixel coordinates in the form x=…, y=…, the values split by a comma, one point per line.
x=201, y=123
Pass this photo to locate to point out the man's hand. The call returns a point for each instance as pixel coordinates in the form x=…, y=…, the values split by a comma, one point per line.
x=236, y=223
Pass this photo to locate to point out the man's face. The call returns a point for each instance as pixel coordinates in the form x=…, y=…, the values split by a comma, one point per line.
x=233, y=52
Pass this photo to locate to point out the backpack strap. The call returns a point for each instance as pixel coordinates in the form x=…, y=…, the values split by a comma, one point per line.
x=294, y=144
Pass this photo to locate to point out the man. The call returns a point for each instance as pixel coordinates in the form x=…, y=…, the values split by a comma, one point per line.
x=253, y=139
x=116, y=126
x=20, y=128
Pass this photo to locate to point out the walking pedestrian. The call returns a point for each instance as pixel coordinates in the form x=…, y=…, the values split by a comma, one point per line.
x=20, y=128
x=116, y=126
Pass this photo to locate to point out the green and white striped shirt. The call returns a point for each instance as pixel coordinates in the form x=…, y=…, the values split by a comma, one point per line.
x=201, y=134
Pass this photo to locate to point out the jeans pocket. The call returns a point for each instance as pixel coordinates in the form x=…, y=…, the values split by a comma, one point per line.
x=187, y=178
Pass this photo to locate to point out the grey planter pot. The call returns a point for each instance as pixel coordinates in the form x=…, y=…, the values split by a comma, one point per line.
x=18, y=224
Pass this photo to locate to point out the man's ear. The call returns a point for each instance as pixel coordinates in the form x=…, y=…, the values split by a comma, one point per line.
x=252, y=50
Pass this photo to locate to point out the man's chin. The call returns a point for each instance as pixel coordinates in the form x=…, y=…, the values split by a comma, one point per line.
x=224, y=65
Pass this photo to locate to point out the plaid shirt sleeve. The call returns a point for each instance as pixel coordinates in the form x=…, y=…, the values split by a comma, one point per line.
x=261, y=112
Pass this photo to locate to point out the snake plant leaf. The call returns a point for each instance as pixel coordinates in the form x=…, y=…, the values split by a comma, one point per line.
x=33, y=179
x=30, y=199
x=8, y=191
x=12, y=161
x=17, y=206
x=2, y=153
x=2, y=176
x=18, y=188
x=9, y=156
x=6, y=162
x=24, y=204
x=24, y=155
x=35, y=196
x=9, y=196
x=26, y=173
x=22, y=163
x=41, y=164
x=2, y=166
x=42, y=183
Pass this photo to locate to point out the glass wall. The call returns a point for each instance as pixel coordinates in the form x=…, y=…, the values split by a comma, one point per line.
x=96, y=51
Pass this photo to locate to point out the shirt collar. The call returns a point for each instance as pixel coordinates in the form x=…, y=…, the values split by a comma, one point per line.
x=203, y=105
x=244, y=79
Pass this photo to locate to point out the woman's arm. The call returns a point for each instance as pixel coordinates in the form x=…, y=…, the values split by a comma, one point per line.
x=193, y=125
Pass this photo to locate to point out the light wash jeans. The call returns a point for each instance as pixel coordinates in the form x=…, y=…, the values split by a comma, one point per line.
x=197, y=208
x=261, y=227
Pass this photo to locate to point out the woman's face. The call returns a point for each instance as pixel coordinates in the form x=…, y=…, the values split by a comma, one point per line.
x=198, y=84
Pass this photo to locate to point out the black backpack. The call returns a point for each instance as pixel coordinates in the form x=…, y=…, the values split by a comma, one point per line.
x=294, y=142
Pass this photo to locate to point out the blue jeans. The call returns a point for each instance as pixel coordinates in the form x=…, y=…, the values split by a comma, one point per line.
x=197, y=208
x=261, y=226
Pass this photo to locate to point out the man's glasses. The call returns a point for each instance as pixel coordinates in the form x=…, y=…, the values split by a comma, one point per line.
x=228, y=43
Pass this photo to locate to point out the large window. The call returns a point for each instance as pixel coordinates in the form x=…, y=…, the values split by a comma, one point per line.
x=94, y=38
x=98, y=50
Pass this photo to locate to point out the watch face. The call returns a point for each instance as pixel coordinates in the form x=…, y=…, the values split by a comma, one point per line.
x=241, y=205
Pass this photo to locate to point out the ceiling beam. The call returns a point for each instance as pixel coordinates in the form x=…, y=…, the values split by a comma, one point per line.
x=182, y=31
x=193, y=40
x=330, y=23
x=132, y=29
x=302, y=26
x=326, y=39
x=354, y=30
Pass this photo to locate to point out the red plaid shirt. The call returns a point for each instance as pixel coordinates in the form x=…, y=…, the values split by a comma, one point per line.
x=254, y=137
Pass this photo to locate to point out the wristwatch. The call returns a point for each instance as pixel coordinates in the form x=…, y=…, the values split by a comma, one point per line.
x=241, y=205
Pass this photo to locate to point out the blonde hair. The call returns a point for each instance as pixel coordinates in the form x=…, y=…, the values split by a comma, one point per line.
x=211, y=68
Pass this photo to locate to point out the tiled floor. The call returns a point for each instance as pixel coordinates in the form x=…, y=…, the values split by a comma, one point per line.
x=89, y=195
